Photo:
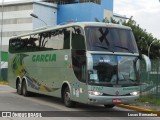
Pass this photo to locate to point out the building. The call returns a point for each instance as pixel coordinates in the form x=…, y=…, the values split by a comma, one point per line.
x=84, y=10
x=17, y=19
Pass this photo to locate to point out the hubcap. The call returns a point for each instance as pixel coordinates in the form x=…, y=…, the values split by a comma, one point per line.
x=67, y=97
x=24, y=90
x=19, y=87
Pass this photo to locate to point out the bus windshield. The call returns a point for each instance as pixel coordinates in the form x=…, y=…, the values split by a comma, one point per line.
x=112, y=70
x=110, y=39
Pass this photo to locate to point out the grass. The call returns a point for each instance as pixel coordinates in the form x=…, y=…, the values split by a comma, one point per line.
x=149, y=99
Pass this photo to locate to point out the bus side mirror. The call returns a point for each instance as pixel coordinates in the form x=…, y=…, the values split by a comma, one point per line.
x=147, y=61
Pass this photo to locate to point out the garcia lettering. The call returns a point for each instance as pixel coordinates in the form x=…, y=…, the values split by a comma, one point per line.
x=44, y=58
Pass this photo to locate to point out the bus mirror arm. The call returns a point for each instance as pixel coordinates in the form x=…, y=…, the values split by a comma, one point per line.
x=147, y=62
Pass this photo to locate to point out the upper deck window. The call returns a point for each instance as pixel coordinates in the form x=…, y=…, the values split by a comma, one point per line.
x=78, y=41
x=51, y=40
x=110, y=39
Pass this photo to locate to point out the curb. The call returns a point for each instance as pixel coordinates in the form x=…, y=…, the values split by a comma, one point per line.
x=139, y=109
x=3, y=83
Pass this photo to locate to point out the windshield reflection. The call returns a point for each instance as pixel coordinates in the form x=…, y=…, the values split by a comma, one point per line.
x=110, y=39
x=113, y=70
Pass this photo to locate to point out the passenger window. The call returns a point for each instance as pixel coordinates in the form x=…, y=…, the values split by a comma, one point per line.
x=23, y=44
x=78, y=54
x=78, y=41
x=51, y=40
x=67, y=37
x=58, y=39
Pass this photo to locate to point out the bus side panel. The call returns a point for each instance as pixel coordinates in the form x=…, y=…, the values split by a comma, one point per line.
x=46, y=71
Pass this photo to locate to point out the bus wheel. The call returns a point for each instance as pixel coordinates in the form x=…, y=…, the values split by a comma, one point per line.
x=24, y=89
x=66, y=98
x=109, y=106
x=19, y=90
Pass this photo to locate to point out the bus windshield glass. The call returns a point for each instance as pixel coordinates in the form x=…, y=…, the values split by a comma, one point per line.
x=110, y=39
x=112, y=70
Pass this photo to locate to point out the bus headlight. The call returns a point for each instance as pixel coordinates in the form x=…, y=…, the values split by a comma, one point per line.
x=135, y=93
x=95, y=93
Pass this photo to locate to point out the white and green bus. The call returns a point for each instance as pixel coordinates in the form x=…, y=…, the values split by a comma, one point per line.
x=86, y=62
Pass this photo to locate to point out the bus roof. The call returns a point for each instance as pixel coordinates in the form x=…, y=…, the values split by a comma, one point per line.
x=81, y=24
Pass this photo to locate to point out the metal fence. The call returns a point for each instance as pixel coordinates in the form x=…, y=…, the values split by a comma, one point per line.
x=150, y=81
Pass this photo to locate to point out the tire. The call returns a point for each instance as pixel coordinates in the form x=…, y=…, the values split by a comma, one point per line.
x=66, y=98
x=24, y=89
x=109, y=106
x=19, y=88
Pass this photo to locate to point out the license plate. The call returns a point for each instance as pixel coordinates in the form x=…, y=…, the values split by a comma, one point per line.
x=116, y=100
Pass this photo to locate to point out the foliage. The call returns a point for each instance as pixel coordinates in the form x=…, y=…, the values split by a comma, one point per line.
x=143, y=38
x=149, y=99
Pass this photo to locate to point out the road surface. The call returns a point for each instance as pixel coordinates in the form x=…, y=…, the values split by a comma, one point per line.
x=50, y=106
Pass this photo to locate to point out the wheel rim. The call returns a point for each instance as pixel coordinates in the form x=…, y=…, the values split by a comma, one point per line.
x=24, y=89
x=67, y=98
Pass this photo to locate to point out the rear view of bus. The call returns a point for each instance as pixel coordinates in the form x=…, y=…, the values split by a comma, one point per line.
x=112, y=65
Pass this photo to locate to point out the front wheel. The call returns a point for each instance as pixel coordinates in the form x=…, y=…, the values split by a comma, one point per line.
x=109, y=106
x=67, y=99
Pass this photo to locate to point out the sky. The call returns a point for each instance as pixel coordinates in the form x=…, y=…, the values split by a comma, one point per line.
x=146, y=13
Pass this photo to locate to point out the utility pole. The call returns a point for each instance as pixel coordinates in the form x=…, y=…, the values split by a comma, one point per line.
x=150, y=46
x=1, y=38
x=35, y=16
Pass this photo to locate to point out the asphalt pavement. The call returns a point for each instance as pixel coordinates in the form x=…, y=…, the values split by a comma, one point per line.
x=10, y=101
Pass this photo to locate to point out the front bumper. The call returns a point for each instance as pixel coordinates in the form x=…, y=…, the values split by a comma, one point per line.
x=104, y=100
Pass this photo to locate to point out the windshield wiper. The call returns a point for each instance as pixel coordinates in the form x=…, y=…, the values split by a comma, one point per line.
x=104, y=48
x=124, y=48
x=132, y=80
